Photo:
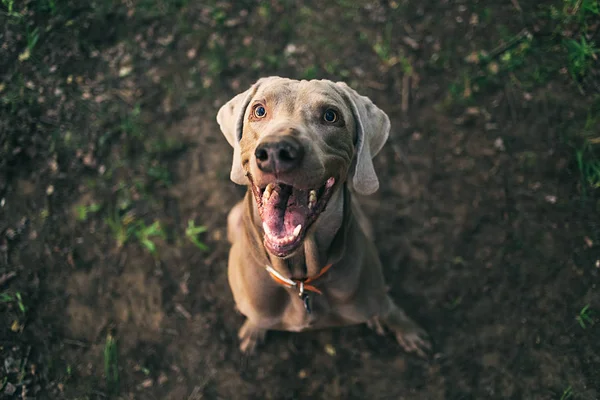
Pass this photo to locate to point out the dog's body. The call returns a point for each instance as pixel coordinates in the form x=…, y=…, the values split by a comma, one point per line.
x=303, y=147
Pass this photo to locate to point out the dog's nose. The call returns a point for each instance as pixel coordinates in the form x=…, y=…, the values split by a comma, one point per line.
x=279, y=154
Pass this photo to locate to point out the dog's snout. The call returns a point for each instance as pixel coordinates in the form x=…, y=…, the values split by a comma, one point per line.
x=279, y=154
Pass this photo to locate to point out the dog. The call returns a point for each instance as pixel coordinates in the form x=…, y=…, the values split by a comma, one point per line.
x=302, y=255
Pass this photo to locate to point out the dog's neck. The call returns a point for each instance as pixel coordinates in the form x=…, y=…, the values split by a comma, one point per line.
x=322, y=245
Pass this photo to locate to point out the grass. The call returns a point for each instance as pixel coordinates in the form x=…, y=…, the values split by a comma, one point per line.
x=589, y=169
x=585, y=318
x=16, y=299
x=125, y=227
x=145, y=234
x=577, y=12
x=120, y=226
x=192, y=231
x=582, y=55
x=567, y=394
x=83, y=211
x=10, y=9
x=111, y=364
x=587, y=157
x=529, y=61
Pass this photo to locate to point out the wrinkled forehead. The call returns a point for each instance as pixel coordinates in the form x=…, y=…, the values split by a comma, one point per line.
x=293, y=95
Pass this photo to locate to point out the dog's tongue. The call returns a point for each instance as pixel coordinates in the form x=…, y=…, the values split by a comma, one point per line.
x=283, y=210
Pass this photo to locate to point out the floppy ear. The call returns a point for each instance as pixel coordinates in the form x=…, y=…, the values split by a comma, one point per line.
x=231, y=120
x=372, y=131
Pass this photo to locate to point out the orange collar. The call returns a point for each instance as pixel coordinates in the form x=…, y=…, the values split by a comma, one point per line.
x=301, y=284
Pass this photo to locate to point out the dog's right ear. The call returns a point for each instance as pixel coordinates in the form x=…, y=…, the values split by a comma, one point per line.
x=231, y=120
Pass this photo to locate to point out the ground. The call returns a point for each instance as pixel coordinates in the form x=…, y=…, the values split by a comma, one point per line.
x=114, y=192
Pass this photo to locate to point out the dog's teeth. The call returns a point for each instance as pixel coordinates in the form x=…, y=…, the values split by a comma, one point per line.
x=297, y=231
x=312, y=198
x=330, y=182
x=267, y=193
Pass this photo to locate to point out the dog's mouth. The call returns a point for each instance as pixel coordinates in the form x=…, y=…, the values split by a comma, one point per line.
x=287, y=213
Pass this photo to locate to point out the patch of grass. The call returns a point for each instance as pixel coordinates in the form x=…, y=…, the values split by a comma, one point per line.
x=582, y=55
x=567, y=394
x=192, y=231
x=32, y=36
x=130, y=125
x=84, y=211
x=111, y=364
x=589, y=169
x=585, y=318
x=16, y=299
x=145, y=234
x=385, y=51
x=9, y=5
x=577, y=11
x=123, y=227
x=310, y=72
x=120, y=226
x=159, y=173
x=586, y=143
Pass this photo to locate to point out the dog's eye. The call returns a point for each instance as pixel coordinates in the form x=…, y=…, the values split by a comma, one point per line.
x=330, y=116
x=259, y=111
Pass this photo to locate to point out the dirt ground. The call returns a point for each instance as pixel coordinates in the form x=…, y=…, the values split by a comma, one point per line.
x=488, y=233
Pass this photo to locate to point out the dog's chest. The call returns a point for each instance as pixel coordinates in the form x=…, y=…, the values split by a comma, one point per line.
x=298, y=318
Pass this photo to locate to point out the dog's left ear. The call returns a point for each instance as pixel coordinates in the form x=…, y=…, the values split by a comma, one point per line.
x=373, y=129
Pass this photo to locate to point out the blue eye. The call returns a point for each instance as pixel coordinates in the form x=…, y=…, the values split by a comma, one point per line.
x=330, y=116
x=260, y=112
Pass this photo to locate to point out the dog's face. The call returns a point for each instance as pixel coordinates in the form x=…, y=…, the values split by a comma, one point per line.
x=294, y=143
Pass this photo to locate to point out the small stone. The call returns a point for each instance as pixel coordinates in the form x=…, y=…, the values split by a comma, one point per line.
x=10, y=389
x=162, y=378
x=494, y=68
x=499, y=144
x=329, y=349
x=147, y=383
x=124, y=71
x=551, y=199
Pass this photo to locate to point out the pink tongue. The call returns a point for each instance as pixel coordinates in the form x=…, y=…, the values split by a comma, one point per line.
x=284, y=211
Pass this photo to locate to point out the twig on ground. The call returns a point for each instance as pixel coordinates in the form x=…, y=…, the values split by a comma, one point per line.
x=74, y=342
x=504, y=47
x=181, y=310
x=405, y=92
x=375, y=85
x=7, y=277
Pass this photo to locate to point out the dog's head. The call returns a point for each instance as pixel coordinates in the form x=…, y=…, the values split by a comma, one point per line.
x=294, y=142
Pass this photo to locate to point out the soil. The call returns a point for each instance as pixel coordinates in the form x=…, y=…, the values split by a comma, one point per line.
x=485, y=236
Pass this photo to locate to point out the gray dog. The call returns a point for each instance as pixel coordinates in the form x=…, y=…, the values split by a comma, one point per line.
x=302, y=254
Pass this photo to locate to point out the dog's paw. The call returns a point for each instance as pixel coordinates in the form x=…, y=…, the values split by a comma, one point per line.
x=250, y=336
x=415, y=340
